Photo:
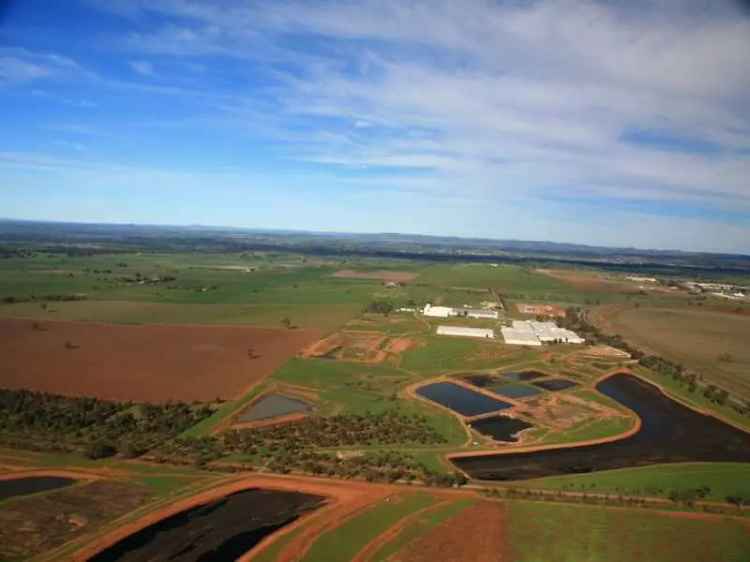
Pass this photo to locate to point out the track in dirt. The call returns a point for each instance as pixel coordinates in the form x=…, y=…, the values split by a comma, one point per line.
x=342, y=500
x=142, y=363
x=477, y=534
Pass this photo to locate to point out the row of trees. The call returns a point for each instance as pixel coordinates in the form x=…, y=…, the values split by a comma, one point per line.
x=44, y=421
x=576, y=321
x=43, y=298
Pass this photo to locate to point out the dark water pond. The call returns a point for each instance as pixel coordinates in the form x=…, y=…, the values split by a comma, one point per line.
x=32, y=485
x=272, y=406
x=222, y=530
x=500, y=428
x=523, y=376
x=670, y=432
x=515, y=390
x=460, y=399
x=480, y=380
x=555, y=384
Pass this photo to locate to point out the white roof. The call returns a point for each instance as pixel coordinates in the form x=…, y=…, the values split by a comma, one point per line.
x=464, y=331
x=512, y=336
x=524, y=332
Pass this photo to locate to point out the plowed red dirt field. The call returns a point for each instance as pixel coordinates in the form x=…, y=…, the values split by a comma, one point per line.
x=142, y=363
x=476, y=535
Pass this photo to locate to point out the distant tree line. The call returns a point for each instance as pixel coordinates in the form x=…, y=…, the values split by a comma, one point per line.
x=43, y=298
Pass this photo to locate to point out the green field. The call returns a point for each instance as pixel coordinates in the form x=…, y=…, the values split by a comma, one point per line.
x=182, y=288
x=344, y=542
x=548, y=532
x=721, y=479
x=357, y=388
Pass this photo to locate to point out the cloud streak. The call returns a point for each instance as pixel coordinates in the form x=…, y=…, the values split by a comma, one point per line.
x=642, y=104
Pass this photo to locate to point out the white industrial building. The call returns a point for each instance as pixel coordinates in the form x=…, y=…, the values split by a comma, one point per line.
x=437, y=311
x=480, y=313
x=524, y=332
x=447, y=312
x=466, y=332
x=519, y=337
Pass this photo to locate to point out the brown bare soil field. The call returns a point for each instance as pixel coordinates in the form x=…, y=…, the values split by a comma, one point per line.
x=382, y=275
x=142, y=363
x=399, y=345
x=589, y=281
x=371, y=548
x=563, y=412
x=477, y=534
x=541, y=309
x=354, y=345
x=604, y=351
x=712, y=343
x=39, y=523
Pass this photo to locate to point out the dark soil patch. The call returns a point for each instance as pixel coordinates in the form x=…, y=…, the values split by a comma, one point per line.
x=31, y=485
x=35, y=524
x=555, y=384
x=221, y=530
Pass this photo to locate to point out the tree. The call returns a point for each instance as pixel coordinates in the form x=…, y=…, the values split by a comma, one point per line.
x=99, y=450
x=286, y=322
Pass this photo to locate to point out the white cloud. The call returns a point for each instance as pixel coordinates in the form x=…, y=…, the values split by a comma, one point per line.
x=495, y=101
x=144, y=68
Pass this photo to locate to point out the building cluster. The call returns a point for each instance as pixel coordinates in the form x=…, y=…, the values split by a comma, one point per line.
x=530, y=332
x=459, y=312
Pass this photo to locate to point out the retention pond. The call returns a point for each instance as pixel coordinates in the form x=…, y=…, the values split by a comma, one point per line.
x=501, y=428
x=460, y=399
x=274, y=406
x=670, y=432
x=221, y=530
x=31, y=485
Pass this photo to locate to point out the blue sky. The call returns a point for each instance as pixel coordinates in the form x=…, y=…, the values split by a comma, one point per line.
x=592, y=122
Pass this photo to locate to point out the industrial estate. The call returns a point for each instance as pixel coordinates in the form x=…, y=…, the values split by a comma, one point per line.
x=282, y=405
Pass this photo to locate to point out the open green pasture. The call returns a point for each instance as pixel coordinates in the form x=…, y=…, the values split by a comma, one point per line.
x=721, y=479
x=445, y=353
x=550, y=532
x=354, y=388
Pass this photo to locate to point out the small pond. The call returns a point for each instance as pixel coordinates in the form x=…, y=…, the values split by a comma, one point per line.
x=523, y=376
x=221, y=530
x=460, y=399
x=480, y=379
x=515, y=390
x=670, y=432
x=555, y=384
x=31, y=485
x=273, y=406
x=501, y=428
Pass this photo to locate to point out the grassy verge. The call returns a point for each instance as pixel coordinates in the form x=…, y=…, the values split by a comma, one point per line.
x=595, y=429
x=343, y=543
x=271, y=553
x=206, y=426
x=695, y=399
x=721, y=479
x=422, y=525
